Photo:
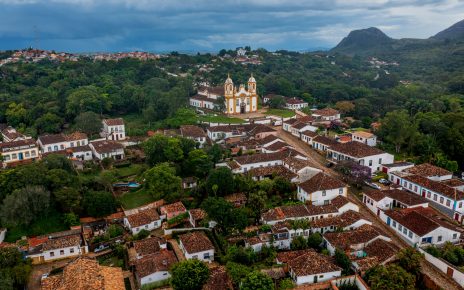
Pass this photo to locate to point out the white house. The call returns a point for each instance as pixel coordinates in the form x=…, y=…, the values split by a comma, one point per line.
x=144, y=219
x=353, y=242
x=195, y=133
x=60, y=142
x=107, y=149
x=196, y=245
x=321, y=189
x=364, y=137
x=59, y=245
x=18, y=152
x=81, y=152
x=380, y=200
x=154, y=267
x=327, y=114
x=323, y=143
x=346, y=221
x=295, y=104
x=361, y=153
x=436, y=185
x=203, y=102
x=396, y=166
x=419, y=226
x=113, y=129
x=9, y=134
x=308, y=266
x=307, y=136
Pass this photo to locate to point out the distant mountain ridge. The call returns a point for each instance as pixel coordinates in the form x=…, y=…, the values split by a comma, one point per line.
x=373, y=41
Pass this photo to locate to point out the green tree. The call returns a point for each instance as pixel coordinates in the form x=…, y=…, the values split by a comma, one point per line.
x=48, y=123
x=342, y=260
x=198, y=163
x=162, y=180
x=223, y=178
x=397, y=128
x=410, y=260
x=189, y=275
x=277, y=102
x=16, y=114
x=25, y=205
x=391, y=277
x=227, y=217
x=215, y=153
x=257, y=203
x=257, y=280
x=237, y=272
x=86, y=99
x=14, y=270
x=315, y=240
x=88, y=122
x=99, y=203
x=69, y=199
x=299, y=243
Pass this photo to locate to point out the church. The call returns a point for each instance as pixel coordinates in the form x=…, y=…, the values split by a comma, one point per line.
x=242, y=100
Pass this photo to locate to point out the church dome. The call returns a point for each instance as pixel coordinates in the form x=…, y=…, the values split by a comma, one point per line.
x=251, y=79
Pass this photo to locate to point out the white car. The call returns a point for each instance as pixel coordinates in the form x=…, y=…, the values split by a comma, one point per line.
x=373, y=185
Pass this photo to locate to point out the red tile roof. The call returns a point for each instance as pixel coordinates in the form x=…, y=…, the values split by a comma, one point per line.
x=321, y=181
x=143, y=217
x=156, y=262
x=428, y=170
x=114, y=122
x=326, y=112
x=356, y=149
x=195, y=242
x=311, y=263
x=148, y=246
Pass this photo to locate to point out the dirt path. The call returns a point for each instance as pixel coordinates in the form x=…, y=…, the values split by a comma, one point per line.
x=428, y=269
x=177, y=250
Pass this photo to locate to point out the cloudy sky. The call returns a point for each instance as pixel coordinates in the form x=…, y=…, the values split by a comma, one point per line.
x=209, y=25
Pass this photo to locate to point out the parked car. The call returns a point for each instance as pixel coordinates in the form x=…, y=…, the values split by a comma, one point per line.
x=329, y=164
x=100, y=248
x=384, y=181
x=372, y=185
x=44, y=276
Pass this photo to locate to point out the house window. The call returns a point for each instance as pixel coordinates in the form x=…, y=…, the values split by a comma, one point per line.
x=441, y=199
x=206, y=256
x=72, y=144
x=415, y=188
x=440, y=238
x=370, y=162
x=400, y=227
x=448, y=202
x=71, y=250
x=33, y=153
x=405, y=230
x=435, y=197
x=428, y=194
x=380, y=160
x=455, y=236
x=340, y=191
x=394, y=224
x=460, y=204
x=52, y=254
x=27, y=154
x=195, y=257
x=323, y=193
x=14, y=156
x=61, y=252
x=6, y=157
x=146, y=226
x=410, y=234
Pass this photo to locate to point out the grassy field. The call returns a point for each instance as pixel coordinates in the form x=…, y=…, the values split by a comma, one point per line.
x=220, y=119
x=52, y=223
x=133, y=169
x=135, y=199
x=280, y=112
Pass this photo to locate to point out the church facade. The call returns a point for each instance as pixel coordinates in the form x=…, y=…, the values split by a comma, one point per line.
x=242, y=100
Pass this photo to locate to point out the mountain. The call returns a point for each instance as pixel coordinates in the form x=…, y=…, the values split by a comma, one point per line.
x=363, y=40
x=454, y=32
x=373, y=42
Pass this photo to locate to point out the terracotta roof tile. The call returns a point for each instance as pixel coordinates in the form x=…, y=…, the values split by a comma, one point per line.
x=218, y=279
x=114, y=122
x=356, y=149
x=326, y=112
x=321, y=181
x=156, y=262
x=148, y=246
x=106, y=146
x=312, y=263
x=195, y=242
x=143, y=217
x=192, y=131
x=428, y=170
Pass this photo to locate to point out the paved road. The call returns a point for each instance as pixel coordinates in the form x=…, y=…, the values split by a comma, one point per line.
x=435, y=275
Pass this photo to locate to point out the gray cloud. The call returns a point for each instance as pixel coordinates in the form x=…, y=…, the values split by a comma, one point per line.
x=161, y=25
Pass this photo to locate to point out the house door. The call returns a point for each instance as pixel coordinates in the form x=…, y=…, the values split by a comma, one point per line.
x=423, y=193
x=398, y=181
x=449, y=272
x=315, y=278
x=388, y=221
x=242, y=108
x=378, y=211
x=20, y=156
x=456, y=216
